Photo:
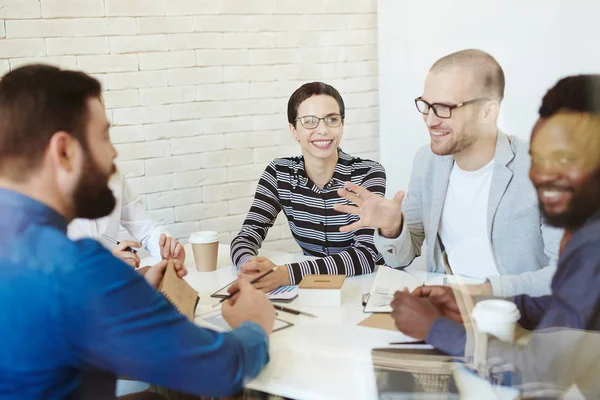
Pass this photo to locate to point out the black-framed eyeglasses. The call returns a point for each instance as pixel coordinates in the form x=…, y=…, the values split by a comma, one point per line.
x=443, y=110
x=312, y=121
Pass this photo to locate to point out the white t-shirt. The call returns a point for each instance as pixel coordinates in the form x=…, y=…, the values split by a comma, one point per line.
x=129, y=213
x=463, y=226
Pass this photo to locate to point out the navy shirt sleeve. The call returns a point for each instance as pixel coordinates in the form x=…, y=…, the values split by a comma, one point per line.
x=117, y=322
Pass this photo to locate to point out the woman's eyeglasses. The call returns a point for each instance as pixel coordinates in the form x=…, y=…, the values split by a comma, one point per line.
x=312, y=121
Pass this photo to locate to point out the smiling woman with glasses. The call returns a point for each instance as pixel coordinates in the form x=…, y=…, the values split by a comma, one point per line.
x=305, y=189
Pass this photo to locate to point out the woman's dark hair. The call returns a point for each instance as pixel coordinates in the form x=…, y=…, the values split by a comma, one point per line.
x=575, y=93
x=308, y=90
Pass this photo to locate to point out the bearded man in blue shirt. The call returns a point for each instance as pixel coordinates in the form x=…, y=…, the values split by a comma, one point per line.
x=72, y=316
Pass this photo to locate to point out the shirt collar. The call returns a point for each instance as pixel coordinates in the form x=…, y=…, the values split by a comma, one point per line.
x=35, y=211
x=341, y=173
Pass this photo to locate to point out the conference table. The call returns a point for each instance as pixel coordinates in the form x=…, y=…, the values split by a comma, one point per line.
x=327, y=357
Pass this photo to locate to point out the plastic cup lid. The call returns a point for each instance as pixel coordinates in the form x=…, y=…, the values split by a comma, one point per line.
x=204, y=237
x=496, y=309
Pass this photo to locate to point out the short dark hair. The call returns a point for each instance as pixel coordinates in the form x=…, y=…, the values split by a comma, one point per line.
x=37, y=101
x=308, y=90
x=484, y=66
x=580, y=93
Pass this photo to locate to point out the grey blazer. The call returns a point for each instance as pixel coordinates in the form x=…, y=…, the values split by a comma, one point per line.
x=525, y=249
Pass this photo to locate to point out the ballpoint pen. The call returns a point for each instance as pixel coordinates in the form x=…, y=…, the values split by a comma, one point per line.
x=292, y=311
x=251, y=282
x=128, y=248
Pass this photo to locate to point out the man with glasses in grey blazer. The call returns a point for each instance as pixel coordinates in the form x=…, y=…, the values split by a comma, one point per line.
x=469, y=197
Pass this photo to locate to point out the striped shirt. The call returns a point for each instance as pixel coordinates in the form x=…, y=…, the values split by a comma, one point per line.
x=284, y=185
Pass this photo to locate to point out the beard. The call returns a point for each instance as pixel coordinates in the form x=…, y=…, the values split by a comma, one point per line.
x=583, y=205
x=93, y=198
x=462, y=140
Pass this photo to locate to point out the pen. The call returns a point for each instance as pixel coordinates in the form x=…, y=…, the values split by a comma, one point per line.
x=418, y=342
x=117, y=243
x=292, y=311
x=251, y=282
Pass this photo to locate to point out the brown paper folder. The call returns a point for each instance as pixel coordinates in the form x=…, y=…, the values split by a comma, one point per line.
x=178, y=292
x=379, y=321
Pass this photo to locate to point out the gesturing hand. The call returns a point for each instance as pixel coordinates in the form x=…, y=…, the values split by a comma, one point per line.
x=373, y=210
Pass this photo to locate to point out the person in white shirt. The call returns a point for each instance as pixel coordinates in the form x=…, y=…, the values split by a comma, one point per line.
x=469, y=198
x=131, y=214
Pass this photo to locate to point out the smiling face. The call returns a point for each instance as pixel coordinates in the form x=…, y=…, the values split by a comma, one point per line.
x=452, y=86
x=322, y=141
x=565, y=167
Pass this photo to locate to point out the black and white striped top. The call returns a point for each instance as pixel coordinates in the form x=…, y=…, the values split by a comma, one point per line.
x=312, y=220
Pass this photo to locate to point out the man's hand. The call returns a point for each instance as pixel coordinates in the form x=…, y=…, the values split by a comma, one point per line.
x=413, y=315
x=125, y=255
x=256, y=266
x=374, y=211
x=249, y=305
x=171, y=248
x=155, y=273
x=443, y=299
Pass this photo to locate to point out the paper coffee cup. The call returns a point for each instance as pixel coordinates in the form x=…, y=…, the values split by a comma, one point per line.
x=497, y=317
x=205, y=246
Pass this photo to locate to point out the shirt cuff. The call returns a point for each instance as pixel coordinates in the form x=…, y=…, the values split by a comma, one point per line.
x=255, y=345
x=295, y=275
x=447, y=336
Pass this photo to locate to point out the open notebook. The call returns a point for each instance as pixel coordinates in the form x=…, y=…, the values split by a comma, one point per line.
x=178, y=292
x=387, y=282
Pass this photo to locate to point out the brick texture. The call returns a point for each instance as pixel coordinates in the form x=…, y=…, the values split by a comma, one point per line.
x=197, y=90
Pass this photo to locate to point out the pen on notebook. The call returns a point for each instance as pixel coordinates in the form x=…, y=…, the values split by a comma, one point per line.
x=117, y=243
x=292, y=311
x=252, y=281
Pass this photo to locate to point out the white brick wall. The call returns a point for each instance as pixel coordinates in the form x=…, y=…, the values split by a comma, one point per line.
x=197, y=89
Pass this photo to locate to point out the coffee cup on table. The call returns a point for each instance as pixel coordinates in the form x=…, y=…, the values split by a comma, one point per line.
x=205, y=246
x=496, y=317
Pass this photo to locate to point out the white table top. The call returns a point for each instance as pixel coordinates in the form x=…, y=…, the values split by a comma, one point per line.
x=318, y=358
x=328, y=357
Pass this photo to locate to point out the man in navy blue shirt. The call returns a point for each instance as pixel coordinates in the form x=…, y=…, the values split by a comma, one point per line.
x=565, y=169
x=72, y=316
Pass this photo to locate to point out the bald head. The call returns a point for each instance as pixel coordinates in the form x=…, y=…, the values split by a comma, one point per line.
x=483, y=68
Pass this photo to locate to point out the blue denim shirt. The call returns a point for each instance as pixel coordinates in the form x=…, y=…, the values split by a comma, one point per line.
x=67, y=308
x=574, y=302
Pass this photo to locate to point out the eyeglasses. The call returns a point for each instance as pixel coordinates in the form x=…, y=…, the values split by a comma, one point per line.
x=443, y=110
x=311, y=121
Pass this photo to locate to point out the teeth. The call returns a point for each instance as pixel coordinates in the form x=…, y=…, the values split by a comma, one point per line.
x=438, y=133
x=551, y=194
x=322, y=142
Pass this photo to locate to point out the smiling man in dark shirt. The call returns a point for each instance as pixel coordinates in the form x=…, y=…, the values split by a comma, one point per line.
x=565, y=169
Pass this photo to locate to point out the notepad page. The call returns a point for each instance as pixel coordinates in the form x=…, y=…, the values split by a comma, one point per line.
x=387, y=282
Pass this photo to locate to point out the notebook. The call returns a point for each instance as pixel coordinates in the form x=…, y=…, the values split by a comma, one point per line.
x=178, y=292
x=387, y=282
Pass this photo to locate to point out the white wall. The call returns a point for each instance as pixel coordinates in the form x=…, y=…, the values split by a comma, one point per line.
x=197, y=89
x=535, y=41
